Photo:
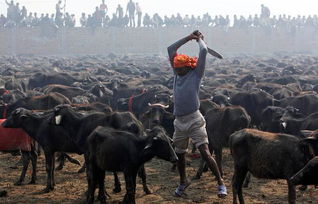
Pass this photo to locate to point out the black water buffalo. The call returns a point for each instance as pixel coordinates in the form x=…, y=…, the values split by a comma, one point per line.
x=43, y=102
x=157, y=115
x=115, y=150
x=295, y=125
x=51, y=138
x=220, y=124
x=206, y=105
x=267, y=155
x=67, y=91
x=137, y=104
x=272, y=118
x=307, y=103
x=80, y=126
x=254, y=103
x=41, y=80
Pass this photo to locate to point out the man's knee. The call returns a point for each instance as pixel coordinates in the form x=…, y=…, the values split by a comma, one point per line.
x=181, y=145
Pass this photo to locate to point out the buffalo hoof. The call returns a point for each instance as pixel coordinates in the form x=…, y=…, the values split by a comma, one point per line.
x=303, y=188
x=196, y=177
x=102, y=199
x=18, y=183
x=32, y=182
x=81, y=170
x=59, y=168
x=74, y=161
x=46, y=190
x=116, y=189
x=173, y=168
x=147, y=191
x=3, y=193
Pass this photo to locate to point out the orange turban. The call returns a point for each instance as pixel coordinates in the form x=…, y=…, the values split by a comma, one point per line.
x=184, y=61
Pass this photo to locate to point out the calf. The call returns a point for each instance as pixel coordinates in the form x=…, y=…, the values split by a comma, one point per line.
x=267, y=155
x=115, y=150
x=220, y=124
x=17, y=139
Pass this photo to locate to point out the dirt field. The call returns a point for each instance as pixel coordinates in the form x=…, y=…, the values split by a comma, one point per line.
x=70, y=186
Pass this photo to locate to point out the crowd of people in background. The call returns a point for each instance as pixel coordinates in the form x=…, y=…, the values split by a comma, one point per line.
x=132, y=16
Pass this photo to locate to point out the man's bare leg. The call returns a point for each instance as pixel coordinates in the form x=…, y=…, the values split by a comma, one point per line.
x=206, y=155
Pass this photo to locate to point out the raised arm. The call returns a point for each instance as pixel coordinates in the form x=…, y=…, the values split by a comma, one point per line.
x=172, y=49
x=202, y=57
x=8, y=3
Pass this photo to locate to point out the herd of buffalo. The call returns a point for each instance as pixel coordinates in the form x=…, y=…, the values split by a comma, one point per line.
x=117, y=112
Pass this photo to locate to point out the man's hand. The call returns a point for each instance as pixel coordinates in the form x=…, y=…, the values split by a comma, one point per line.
x=198, y=34
x=193, y=37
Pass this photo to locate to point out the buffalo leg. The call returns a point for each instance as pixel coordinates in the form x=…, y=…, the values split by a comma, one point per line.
x=130, y=180
x=142, y=175
x=61, y=159
x=117, y=188
x=72, y=160
x=92, y=182
x=237, y=182
x=247, y=180
x=49, y=160
x=291, y=193
x=82, y=169
x=25, y=161
x=101, y=185
x=34, y=157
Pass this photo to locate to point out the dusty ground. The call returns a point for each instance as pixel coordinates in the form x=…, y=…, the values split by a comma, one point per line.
x=70, y=186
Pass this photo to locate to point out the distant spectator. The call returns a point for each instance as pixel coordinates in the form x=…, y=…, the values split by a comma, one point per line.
x=265, y=12
x=16, y=13
x=157, y=20
x=10, y=10
x=3, y=21
x=98, y=19
x=103, y=10
x=139, y=14
x=114, y=21
x=23, y=13
x=147, y=20
x=36, y=20
x=131, y=9
x=83, y=20
x=59, y=8
x=119, y=12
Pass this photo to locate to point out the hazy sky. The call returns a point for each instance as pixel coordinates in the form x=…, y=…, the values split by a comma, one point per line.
x=168, y=7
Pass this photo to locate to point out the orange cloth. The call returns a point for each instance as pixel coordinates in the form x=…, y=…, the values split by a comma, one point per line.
x=184, y=61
